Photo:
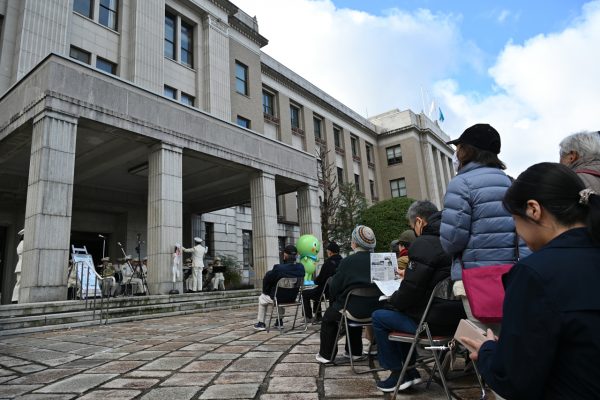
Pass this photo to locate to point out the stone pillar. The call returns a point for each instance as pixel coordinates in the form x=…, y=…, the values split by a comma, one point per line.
x=432, y=178
x=164, y=215
x=217, y=76
x=309, y=212
x=264, y=224
x=48, y=208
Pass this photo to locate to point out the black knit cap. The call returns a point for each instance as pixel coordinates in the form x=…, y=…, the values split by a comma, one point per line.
x=290, y=249
x=333, y=247
x=481, y=136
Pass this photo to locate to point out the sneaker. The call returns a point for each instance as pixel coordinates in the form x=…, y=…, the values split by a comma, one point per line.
x=373, y=351
x=389, y=384
x=278, y=323
x=260, y=326
x=412, y=378
x=322, y=359
x=354, y=358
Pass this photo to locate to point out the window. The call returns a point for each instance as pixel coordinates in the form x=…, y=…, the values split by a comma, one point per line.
x=106, y=66
x=268, y=101
x=80, y=55
x=394, y=155
x=295, y=116
x=170, y=36
x=243, y=122
x=83, y=7
x=241, y=78
x=187, y=55
x=107, y=15
x=247, y=248
x=357, y=181
x=209, y=237
x=372, y=187
x=187, y=99
x=170, y=92
x=318, y=125
x=354, y=145
x=340, y=175
x=281, y=241
x=398, y=187
x=369, y=149
x=337, y=137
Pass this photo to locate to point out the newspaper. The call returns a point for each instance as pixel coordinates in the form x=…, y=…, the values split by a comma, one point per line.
x=383, y=266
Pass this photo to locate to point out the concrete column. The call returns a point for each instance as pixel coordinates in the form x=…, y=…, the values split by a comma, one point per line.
x=147, y=39
x=309, y=212
x=264, y=224
x=432, y=177
x=164, y=215
x=48, y=208
x=217, y=79
x=442, y=175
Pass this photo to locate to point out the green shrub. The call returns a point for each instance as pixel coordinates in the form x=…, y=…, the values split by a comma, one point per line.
x=233, y=277
x=388, y=220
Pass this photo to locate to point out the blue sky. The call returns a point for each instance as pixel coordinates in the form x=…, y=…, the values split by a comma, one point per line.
x=529, y=68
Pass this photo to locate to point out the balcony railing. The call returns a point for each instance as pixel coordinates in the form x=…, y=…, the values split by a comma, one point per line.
x=356, y=158
x=297, y=131
x=271, y=118
x=339, y=151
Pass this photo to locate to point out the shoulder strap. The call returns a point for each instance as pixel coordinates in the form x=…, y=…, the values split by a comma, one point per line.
x=588, y=171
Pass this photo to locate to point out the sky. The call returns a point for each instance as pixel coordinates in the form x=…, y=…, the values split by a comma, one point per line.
x=531, y=68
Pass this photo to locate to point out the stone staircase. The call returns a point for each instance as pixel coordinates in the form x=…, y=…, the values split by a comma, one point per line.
x=36, y=317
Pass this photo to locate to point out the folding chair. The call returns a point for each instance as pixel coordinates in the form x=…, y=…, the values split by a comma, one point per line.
x=356, y=296
x=323, y=300
x=434, y=344
x=287, y=285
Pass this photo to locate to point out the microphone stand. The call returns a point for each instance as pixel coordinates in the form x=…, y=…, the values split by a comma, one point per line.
x=139, y=268
x=103, y=244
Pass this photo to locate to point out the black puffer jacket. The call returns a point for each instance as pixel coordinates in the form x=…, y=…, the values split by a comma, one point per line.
x=428, y=265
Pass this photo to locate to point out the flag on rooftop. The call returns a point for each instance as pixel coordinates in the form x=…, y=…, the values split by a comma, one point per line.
x=441, y=117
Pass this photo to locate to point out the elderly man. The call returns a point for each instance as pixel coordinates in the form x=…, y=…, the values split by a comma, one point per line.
x=109, y=283
x=198, y=251
x=581, y=153
x=354, y=271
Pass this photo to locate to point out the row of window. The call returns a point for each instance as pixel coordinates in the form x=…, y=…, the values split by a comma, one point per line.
x=184, y=34
x=105, y=12
x=86, y=57
x=184, y=98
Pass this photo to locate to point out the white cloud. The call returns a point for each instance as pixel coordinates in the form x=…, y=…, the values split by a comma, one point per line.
x=547, y=88
x=542, y=89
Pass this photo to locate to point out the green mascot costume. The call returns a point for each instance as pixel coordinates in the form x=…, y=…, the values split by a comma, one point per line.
x=308, y=249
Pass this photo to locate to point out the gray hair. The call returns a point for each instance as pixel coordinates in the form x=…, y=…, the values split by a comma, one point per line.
x=420, y=208
x=585, y=144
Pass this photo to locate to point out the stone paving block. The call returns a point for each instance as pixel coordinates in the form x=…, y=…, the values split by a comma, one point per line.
x=144, y=355
x=12, y=362
x=297, y=369
x=148, y=374
x=292, y=384
x=46, y=356
x=206, y=365
x=89, y=350
x=130, y=348
x=219, y=356
x=290, y=396
x=40, y=396
x=111, y=394
x=116, y=367
x=125, y=383
x=167, y=363
x=170, y=346
x=77, y=384
x=284, y=340
x=29, y=368
x=54, y=362
x=203, y=347
x=231, y=391
x=8, y=378
x=263, y=354
x=10, y=391
x=233, y=349
x=310, y=349
x=240, y=377
x=299, y=358
x=345, y=371
x=171, y=393
x=5, y=372
x=83, y=363
x=221, y=339
x=47, y=376
x=252, y=364
x=107, y=355
x=352, y=388
x=272, y=347
x=189, y=379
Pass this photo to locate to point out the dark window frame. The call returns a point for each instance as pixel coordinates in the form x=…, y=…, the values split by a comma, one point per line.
x=170, y=43
x=167, y=89
x=90, y=4
x=112, y=65
x=187, y=99
x=268, y=109
x=318, y=122
x=295, y=116
x=241, y=82
x=396, y=156
x=398, y=188
x=243, y=122
x=81, y=51
x=186, y=54
x=105, y=5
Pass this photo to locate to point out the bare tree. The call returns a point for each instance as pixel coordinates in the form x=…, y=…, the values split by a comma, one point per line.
x=351, y=207
x=328, y=200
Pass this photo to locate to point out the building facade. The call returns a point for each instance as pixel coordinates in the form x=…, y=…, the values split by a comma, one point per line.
x=150, y=122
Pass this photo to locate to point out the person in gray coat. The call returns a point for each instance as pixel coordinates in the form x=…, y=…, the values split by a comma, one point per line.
x=581, y=153
x=476, y=230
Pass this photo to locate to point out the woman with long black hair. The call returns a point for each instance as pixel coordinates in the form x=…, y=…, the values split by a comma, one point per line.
x=549, y=346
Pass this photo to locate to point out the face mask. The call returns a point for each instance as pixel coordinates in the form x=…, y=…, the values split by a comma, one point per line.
x=455, y=162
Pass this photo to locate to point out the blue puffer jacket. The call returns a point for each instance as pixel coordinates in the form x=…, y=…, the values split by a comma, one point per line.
x=475, y=225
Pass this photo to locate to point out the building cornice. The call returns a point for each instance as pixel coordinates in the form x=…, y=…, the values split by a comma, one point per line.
x=248, y=32
x=226, y=6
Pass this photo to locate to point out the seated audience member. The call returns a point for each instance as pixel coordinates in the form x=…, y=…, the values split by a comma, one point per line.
x=428, y=265
x=327, y=270
x=354, y=271
x=288, y=269
x=549, y=345
x=406, y=238
x=218, y=280
x=581, y=153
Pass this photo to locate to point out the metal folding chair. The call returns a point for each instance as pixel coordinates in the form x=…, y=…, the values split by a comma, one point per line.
x=323, y=300
x=347, y=321
x=433, y=344
x=293, y=284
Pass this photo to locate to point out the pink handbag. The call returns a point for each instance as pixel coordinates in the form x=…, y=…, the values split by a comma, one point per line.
x=485, y=291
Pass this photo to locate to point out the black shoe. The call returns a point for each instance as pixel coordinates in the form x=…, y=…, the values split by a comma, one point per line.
x=278, y=324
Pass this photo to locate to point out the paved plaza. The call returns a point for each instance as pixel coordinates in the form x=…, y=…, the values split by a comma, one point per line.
x=212, y=355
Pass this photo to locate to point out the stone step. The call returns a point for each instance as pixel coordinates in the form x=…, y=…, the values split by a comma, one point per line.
x=121, y=310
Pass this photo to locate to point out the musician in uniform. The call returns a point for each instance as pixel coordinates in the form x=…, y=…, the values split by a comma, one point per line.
x=218, y=280
x=198, y=252
x=109, y=283
x=129, y=277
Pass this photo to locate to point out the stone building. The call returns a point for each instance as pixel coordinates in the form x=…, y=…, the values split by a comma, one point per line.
x=150, y=122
